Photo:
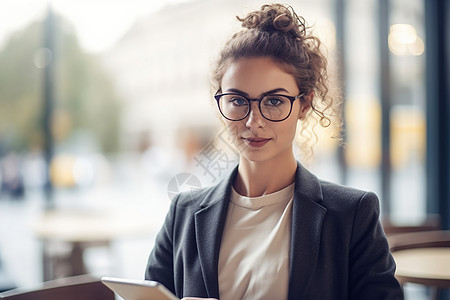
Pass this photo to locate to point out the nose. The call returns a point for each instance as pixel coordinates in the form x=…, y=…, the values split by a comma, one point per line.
x=254, y=118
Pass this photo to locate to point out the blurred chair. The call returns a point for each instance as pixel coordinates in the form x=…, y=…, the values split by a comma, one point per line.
x=431, y=222
x=86, y=287
x=422, y=258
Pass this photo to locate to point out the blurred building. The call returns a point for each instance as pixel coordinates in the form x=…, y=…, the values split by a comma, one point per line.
x=162, y=67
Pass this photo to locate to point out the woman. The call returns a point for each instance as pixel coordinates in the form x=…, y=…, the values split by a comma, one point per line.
x=271, y=229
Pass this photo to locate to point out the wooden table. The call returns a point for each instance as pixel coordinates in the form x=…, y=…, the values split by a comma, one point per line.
x=426, y=266
x=80, y=230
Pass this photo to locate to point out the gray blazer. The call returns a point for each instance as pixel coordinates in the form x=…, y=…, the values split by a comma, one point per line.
x=338, y=247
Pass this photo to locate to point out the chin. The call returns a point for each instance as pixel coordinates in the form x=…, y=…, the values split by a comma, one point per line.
x=266, y=155
x=255, y=157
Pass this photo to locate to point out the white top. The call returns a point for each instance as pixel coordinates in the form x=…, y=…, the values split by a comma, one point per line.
x=254, y=255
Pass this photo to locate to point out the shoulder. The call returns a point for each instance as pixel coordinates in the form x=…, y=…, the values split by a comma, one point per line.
x=330, y=195
x=194, y=197
x=197, y=198
x=349, y=211
x=340, y=197
x=339, y=192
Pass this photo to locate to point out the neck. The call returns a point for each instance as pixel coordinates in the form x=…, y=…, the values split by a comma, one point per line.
x=260, y=178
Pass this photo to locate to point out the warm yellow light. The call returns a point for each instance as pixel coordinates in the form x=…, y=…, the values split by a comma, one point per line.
x=403, y=33
x=396, y=47
x=403, y=40
x=417, y=48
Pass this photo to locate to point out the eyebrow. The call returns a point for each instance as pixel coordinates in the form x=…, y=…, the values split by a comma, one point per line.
x=265, y=93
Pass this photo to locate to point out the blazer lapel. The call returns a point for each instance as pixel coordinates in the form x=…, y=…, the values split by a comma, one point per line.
x=209, y=224
x=307, y=218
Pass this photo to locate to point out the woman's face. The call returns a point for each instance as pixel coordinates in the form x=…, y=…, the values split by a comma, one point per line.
x=257, y=138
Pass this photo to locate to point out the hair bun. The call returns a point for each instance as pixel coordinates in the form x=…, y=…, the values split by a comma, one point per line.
x=283, y=23
x=275, y=17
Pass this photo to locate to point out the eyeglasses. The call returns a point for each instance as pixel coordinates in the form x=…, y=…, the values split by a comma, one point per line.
x=273, y=107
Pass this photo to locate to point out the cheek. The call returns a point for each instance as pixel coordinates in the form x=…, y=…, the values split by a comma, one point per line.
x=294, y=121
x=232, y=130
x=288, y=131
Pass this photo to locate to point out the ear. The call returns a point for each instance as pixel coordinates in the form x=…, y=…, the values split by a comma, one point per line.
x=305, y=104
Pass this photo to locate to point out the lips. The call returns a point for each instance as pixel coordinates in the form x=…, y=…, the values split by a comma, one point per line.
x=256, y=142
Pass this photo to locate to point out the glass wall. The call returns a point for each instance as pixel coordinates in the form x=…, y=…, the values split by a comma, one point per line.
x=405, y=105
x=408, y=110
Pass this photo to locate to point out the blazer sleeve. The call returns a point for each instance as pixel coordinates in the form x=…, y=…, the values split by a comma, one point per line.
x=160, y=263
x=372, y=267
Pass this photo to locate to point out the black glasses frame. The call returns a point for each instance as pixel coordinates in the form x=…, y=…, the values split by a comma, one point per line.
x=249, y=100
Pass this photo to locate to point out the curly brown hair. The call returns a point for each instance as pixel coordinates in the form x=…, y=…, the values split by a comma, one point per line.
x=278, y=32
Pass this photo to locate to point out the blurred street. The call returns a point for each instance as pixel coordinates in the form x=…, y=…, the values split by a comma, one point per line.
x=131, y=195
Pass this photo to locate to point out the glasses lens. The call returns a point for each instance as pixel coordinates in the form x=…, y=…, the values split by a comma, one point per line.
x=233, y=107
x=275, y=107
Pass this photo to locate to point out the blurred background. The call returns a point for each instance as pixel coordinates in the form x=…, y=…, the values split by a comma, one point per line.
x=106, y=113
